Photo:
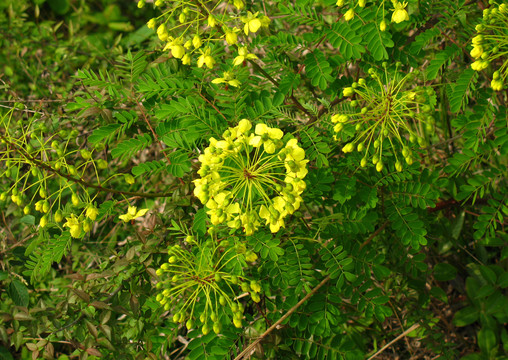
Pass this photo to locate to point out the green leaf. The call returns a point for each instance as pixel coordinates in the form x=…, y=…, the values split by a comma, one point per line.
x=345, y=39
x=28, y=219
x=180, y=164
x=318, y=69
x=199, y=223
x=461, y=89
x=441, y=59
x=18, y=293
x=444, y=272
x=486, y=340
x=466, y=316
x=103, y=133
x=377, y=41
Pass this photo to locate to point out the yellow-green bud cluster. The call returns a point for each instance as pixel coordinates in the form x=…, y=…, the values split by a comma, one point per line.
x=189, y=280
x=384, y=115
x=490, y=45
x=399, y=13
x=250, y=176
x=191, y=30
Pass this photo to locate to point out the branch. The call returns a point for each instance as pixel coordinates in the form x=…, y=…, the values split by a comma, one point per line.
x=47, y=167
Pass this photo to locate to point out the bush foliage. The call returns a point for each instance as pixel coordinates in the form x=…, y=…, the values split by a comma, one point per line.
x=253, y=179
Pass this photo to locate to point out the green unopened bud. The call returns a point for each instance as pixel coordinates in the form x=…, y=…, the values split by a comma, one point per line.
x=58, y=215
x=44, y=221
x=87, y=225
x=102, y=164
x=189, y=324
x=216, y=328
x=26, y=210
x=42, y=193
x=45, y=207
x=85, y=154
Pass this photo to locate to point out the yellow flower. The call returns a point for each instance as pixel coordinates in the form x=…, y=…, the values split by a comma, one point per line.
x=399, y=13
x=133, y=213
x=340, y=3
x=151, y=23
x=361, y=3
x=239, y=4
x=211, y=21
x=196, y=41
x=349, y=15
x=162, y=33
x=227, y=78
x=243, y=54
x=265, y=135
x=186, y=59
x=477, y=51
x=382, y=25
x=349, y=91
x=230, y=34
x=92, y=212
x=252, y=23
x=496, y=85
x=74, y=226
x=206, y=59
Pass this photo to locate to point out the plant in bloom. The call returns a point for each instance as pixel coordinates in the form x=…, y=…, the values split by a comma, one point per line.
x=227, y=78
x=251, y=177
x=385, y=115
x=198, y=284
x=490, y=45
x=399, y=12
x=186, y=27
x=133, y=213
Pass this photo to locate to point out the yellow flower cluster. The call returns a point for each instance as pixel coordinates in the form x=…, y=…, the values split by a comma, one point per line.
x=399, y=13
x=193, y=276
x=491, y=44
x=382, y=114
x=249, y=177
x=211, y=26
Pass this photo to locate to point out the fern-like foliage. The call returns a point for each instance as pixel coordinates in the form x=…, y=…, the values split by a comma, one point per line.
x=460, y=91
x=344, y=38
x=440, y=60
x=45, y=251
x=318, y=69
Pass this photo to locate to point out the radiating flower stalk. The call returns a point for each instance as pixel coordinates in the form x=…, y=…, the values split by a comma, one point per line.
x=490, y=45
x=200, y=32
x=33, y=163
x=250, y=177
x=399, y=13
x=198, y=285
x=383, y=113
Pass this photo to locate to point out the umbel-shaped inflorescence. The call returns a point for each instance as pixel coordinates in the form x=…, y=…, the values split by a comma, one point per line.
x=198, y=32
x=382, y=114
x=200, y=285
x=490, y=45
x=251, y=177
